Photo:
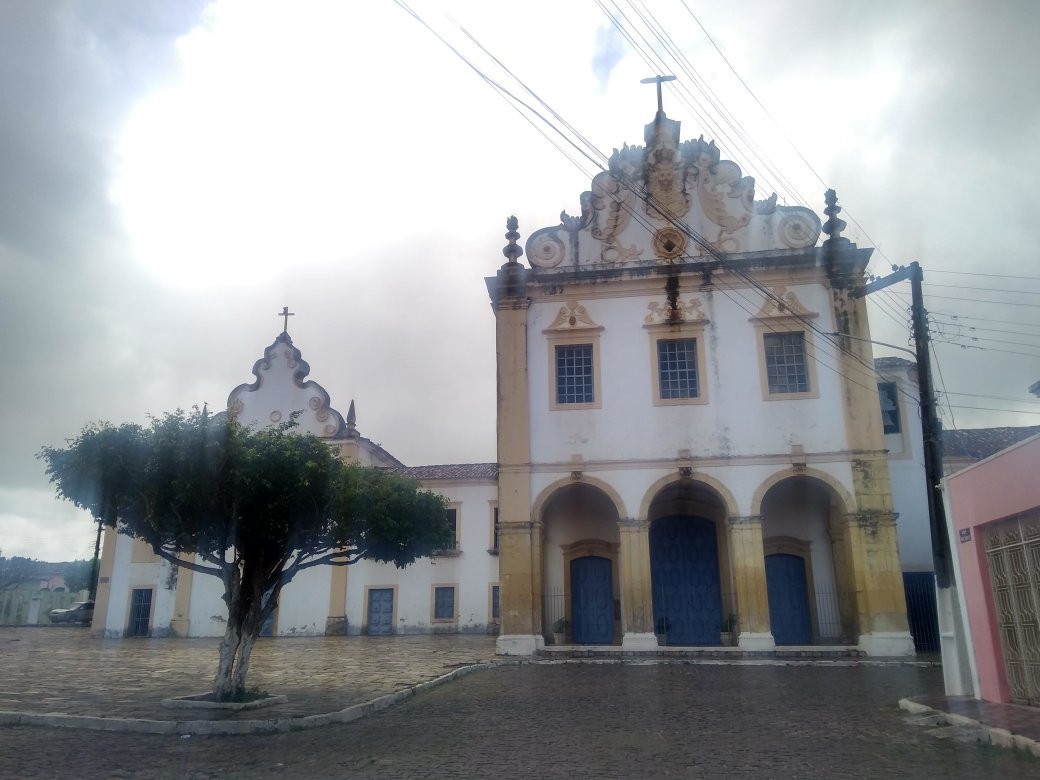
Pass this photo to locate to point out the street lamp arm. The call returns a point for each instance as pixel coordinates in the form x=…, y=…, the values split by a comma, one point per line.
x=879, y=343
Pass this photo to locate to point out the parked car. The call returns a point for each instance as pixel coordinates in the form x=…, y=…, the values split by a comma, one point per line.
x=80, y=612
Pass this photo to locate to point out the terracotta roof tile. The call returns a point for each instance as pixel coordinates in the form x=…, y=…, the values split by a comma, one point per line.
x=979, y=443
x=453, y=471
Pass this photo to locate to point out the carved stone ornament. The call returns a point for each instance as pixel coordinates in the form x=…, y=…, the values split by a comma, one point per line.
x=783, y=303
x=545, y=250
x=618, y=254
x=669, y=243
x=688, y=311
x=573, y=316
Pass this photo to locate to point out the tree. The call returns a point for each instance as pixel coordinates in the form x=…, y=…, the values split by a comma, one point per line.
x=16, y=570
x=251, y=507
x=78, y=575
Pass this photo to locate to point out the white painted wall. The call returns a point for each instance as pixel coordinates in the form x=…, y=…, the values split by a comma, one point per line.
x=735, y=421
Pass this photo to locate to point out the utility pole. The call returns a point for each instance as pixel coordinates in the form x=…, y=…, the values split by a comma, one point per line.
x=931, y=428
x=952, y=634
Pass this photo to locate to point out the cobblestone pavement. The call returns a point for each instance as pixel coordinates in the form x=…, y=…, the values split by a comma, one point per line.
x=569, y=720
x=62, y=669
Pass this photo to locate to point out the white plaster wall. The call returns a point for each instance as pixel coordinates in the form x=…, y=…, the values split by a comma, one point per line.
x=207, y=612
x=119, y=593
x=473, y=570
x=303, y=605
x=735, y=421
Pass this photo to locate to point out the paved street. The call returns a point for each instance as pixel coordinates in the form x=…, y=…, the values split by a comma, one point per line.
x=569, y=720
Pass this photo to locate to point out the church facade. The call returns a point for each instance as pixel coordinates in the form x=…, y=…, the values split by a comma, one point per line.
x=690, y=441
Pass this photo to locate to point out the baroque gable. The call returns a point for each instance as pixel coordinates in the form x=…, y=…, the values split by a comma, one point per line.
x=657, y=204
x=281, y=389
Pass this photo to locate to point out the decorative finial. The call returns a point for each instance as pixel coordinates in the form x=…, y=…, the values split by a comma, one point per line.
x=833, y=226
x=658, y=81
x=511, y=250
x=286, y=314
x=352, y=421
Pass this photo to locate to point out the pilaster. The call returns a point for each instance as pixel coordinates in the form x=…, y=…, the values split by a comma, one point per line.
x=336, y=622
x=180, y=623
x=749, y=577
x=637, y=611
x=519, y=561
x=104, y=586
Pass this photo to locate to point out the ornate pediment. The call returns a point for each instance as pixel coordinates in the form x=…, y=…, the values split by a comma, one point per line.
x=784, y=304
x=683, y=311
x=670, y=201
x=572, y=317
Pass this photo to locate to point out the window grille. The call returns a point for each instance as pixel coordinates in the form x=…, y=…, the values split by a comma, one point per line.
x=677, y=368
x=786, y=369
x=574, y=383
x=444, y=603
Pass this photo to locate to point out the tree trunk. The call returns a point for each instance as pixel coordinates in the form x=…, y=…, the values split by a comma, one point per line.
x=223, y=683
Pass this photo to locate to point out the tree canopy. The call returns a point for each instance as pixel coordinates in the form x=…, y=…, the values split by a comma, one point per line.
x=252, y=507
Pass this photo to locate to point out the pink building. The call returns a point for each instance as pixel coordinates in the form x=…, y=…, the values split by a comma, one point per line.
x=995, y=517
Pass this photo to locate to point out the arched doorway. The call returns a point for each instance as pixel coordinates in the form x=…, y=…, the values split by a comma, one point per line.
x=805, y=601
x=580, y=601
x=687, y=563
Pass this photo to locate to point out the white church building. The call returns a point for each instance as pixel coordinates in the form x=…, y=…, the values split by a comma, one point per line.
x=687, y=454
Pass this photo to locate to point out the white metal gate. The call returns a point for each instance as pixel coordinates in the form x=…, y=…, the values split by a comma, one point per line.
x=1013, y=553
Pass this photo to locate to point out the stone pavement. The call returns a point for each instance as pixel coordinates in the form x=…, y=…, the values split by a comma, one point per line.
x=569, y=720
x=61, y=669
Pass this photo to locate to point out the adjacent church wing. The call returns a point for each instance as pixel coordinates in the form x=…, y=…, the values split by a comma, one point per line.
x=658, y=204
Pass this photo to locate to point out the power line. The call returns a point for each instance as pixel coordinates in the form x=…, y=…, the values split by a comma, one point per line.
x=977, y=273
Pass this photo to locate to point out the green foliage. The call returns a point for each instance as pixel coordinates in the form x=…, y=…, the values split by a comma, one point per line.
x=194, y=483
x=16, y=570
x=78, y=575
x=255, y=506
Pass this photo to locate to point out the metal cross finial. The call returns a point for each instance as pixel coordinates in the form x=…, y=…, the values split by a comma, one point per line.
x=286, y=314
x=658, y=80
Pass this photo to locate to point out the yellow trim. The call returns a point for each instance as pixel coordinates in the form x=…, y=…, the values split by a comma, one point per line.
x=590, y=337
x=729, y=503
x=549, y=490
x=676, y=332
x=104, y=588
x=455, y=602
x=492, y=517
x=141, y=552
x=782, y=326
x=835, y=488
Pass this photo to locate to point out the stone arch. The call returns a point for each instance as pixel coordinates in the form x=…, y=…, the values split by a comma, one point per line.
x=725, y=497
x=550, y=490
x=833, y=486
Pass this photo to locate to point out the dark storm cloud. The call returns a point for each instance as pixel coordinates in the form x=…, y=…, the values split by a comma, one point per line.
x=69, y=74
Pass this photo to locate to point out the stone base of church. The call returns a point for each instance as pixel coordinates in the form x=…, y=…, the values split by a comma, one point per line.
x=639, y=642
x=887, y=643
x=518, y=644
x=750, y=641
x=335, y=626
x=178, y=627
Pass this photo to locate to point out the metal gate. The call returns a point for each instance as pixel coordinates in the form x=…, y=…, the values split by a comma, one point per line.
x=140, y=612
x=1013, y=554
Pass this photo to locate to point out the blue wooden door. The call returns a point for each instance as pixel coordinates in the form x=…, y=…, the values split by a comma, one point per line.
x=381, y=611
x=789, y=614
x=684, y=569
x=592, y=601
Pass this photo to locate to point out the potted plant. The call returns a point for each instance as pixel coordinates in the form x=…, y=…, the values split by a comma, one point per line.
x=661, y=629
x=560, y=630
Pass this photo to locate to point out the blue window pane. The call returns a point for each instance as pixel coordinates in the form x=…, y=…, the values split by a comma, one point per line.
x=786, y=369
x=444, y=604
x=677, y=368
x=574, y=374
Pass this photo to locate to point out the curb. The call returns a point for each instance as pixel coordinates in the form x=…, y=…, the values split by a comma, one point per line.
x=225, y=728
x=997, y=736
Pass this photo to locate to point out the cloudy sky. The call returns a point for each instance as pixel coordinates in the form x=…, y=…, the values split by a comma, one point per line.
x=173, y=173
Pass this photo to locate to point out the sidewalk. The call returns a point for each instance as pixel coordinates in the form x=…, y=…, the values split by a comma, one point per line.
x=1005, y=725
x=61, y=670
